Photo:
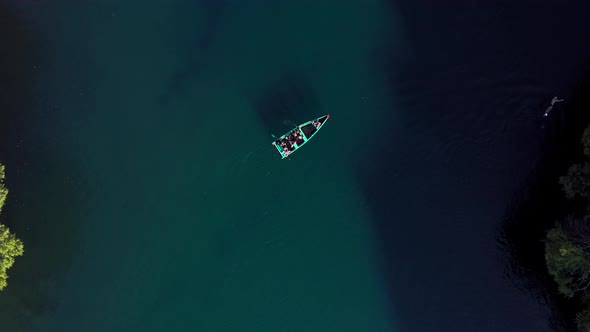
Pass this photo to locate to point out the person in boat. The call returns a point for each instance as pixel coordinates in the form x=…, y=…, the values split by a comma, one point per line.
x=292, y=138
x=287, y=146
x=287, y=149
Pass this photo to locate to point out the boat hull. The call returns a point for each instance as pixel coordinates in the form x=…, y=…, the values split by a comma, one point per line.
x=296, y=138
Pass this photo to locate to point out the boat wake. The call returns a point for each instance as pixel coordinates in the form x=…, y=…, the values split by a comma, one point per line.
x=252, y=162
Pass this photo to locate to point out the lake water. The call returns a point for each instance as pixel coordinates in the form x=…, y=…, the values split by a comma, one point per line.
x=144, y=185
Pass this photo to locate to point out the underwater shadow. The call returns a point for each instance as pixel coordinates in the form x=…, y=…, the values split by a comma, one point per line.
x=196, y=52
x=286, y=102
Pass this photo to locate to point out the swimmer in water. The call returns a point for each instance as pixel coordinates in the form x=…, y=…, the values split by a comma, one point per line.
x=553, y=102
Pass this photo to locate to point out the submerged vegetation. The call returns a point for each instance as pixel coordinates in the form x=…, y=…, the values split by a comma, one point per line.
x=10, y=246
x=567, y=247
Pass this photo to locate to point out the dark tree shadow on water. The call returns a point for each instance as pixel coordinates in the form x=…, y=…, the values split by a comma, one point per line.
x=541, y=202
x=459, y=60
x=285, y=103
x=43, y=197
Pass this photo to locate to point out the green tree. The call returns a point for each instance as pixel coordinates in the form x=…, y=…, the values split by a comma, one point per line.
x=567, y=263
x=10, y=246
x=3, y=190
x=577, y=231
x=577, y=181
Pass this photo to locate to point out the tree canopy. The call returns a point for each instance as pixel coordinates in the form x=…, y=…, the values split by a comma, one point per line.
x=567, y=263
x=10, y=246
x=3, y=190
x=567, y=247
x=577, y=181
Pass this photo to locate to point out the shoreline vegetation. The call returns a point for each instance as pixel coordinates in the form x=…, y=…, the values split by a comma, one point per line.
x=10, y=245
x=567, y=244
x=541, y=224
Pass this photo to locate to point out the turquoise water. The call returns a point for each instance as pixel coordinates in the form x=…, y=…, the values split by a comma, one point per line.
x=162, y=205
x=137, y=140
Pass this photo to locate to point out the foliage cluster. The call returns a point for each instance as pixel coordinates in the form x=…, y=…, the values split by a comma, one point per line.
x=567, y=249
x=567, y=263
x=10, y=246
x=3, y=190
x=576, y=183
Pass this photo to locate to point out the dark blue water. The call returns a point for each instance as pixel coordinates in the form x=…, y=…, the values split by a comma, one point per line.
x=471, y=86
